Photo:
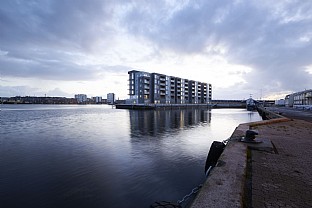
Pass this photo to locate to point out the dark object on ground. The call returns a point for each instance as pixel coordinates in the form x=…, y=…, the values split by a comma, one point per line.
x=215, y=151
x=250, y=135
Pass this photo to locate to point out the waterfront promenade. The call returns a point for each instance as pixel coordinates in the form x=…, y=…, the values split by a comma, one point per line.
x=277, y=173
x=292, y=113
x=284, y=179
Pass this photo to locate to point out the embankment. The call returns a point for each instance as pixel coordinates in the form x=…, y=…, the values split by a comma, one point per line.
x=230, y=183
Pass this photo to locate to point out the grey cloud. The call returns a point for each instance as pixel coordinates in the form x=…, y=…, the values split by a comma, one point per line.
x=52, y=65
x=9, y=91
x=58, y=24
x=44, y=69
x=273, y=38
x=47, y=38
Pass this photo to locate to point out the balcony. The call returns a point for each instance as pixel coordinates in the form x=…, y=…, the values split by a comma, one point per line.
x=308, y=95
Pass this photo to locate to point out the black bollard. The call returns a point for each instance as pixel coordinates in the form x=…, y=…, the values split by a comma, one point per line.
x=250, y=135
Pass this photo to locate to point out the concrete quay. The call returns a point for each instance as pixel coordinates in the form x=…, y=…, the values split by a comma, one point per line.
x=275, y=173
x=292, y=113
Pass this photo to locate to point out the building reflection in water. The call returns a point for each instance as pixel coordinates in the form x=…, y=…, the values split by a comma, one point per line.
x=161, y=122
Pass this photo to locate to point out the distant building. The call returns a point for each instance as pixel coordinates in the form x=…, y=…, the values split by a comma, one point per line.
x=38, y=100
x=289, y=100
x=146, y=88
x=97, y=99
x=299, y=99
x=81, y=98
x=280, y=102
x=110, y=98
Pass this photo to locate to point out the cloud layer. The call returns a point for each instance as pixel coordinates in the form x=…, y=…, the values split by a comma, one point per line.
x=75, y=40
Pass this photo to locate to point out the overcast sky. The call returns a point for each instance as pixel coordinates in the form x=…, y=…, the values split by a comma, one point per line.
x=242, y=47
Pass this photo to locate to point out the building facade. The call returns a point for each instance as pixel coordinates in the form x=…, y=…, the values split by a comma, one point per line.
x=110, y=98
x=298, y=99
x=154, y=88
x=97, y=99
x=81, y=98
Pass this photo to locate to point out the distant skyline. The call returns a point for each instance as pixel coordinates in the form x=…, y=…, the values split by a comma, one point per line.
x=241, y=47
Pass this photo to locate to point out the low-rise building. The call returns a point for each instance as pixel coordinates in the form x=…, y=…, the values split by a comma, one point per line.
x=280, y=102
x=299, y=99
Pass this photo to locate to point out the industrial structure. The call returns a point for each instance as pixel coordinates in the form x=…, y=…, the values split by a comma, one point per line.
x=154, y=88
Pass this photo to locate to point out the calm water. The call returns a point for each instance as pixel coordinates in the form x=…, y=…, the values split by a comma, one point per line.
x=96, y=156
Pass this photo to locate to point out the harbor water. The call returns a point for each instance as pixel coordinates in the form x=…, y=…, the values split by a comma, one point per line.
x=98, y=156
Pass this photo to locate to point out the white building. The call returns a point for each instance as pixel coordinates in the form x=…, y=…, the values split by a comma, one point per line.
x=280, y=102
x=110, y=98
x=97, y=99
x=81, y=98
x=301, y=99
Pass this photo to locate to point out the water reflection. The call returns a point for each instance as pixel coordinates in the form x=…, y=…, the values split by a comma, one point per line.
x=96, y=156
x=161, y=122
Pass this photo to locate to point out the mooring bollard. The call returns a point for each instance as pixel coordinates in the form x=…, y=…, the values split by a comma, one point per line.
x=250, y=135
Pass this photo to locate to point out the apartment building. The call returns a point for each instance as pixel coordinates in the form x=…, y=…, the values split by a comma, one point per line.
x=154, y=88
x=81, y=98
x=111, y=98
x=297, y=99
x=97, y=99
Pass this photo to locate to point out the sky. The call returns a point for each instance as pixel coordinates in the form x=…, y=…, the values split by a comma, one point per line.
x=242, y=47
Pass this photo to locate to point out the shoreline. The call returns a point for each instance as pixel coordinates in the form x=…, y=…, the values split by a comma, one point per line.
x=274, y=173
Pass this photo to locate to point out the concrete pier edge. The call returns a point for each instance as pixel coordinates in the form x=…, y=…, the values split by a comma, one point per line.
x=227, y=184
